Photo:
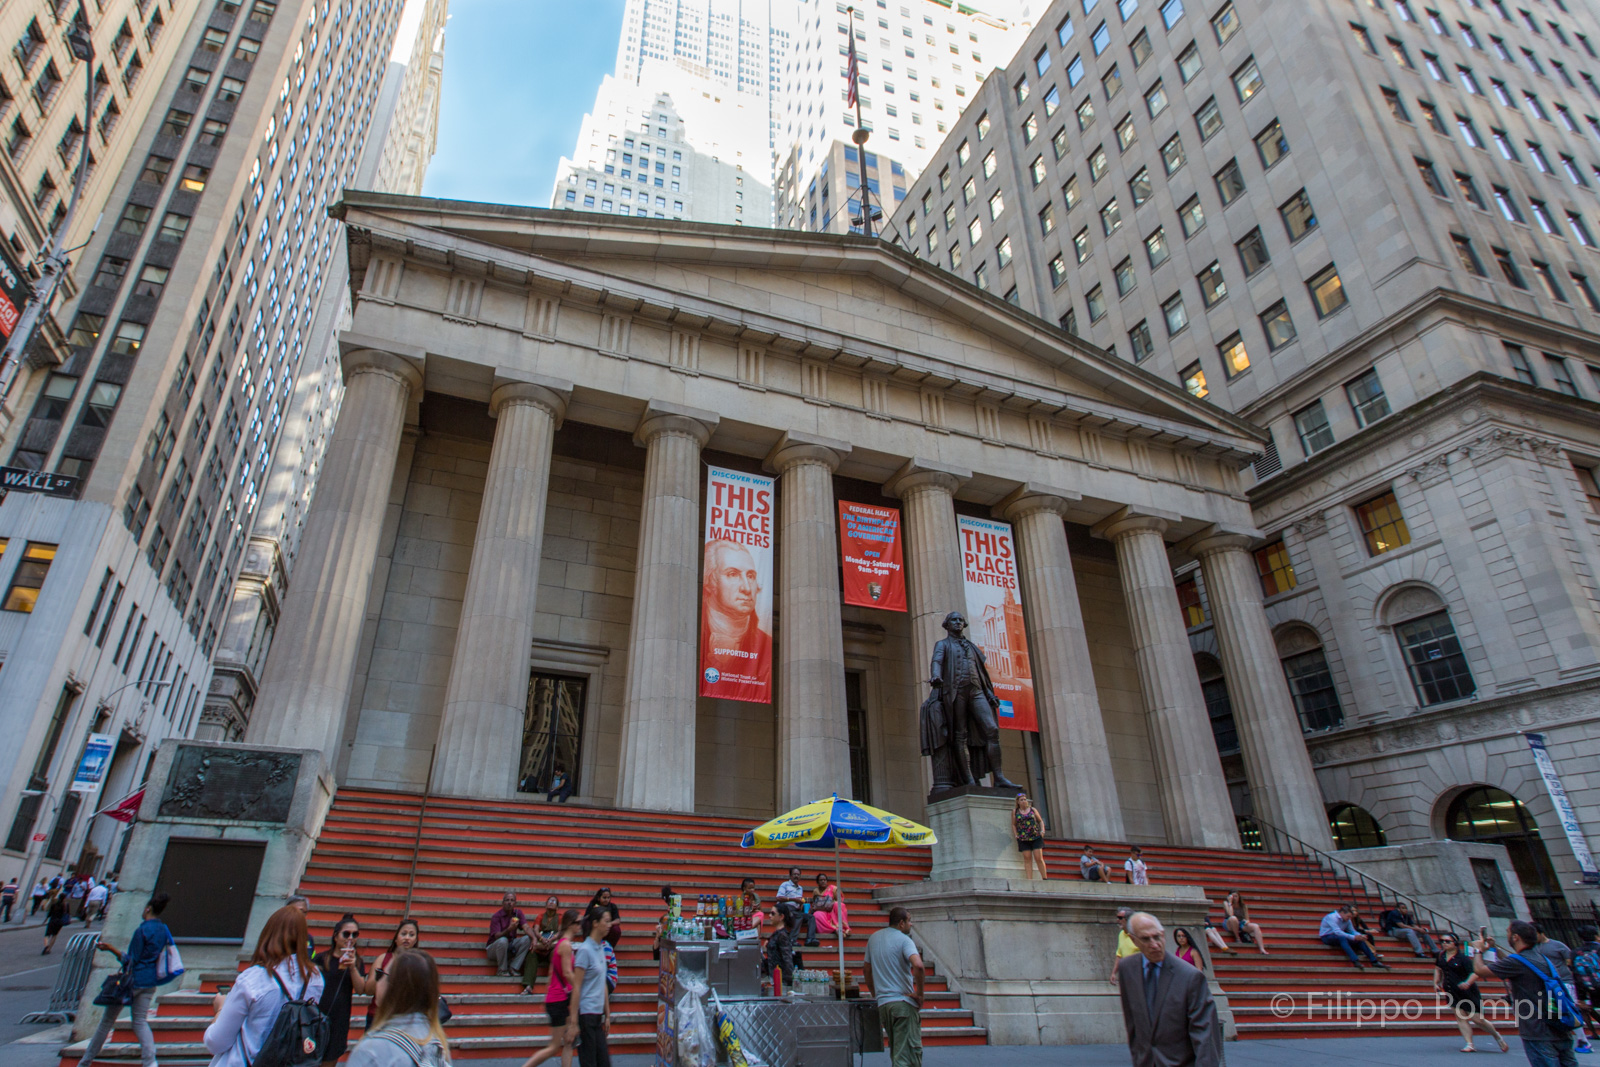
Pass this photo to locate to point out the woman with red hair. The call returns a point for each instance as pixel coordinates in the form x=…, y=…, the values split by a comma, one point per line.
x=280, y=970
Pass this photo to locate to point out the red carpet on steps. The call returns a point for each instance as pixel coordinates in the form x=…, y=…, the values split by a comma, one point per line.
x=469, y=851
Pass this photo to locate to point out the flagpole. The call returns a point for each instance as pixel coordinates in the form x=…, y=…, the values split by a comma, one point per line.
x=860, y=139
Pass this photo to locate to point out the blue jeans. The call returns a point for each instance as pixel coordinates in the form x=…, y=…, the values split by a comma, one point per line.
x=1556, y=1053
x=1344, y=943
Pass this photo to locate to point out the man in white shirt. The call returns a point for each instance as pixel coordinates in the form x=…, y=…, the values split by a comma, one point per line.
x=94, y=904
x=791, y=900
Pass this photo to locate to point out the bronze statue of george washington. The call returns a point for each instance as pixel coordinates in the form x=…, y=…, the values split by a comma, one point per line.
x=960, y=727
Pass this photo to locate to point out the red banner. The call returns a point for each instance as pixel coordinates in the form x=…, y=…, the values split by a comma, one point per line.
x=869, y=544
x=994, y=617
x=736, y=590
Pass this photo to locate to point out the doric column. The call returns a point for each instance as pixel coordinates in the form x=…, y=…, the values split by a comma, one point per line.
x=480, y=731
x=658, y=715
x=306, y=685
x=934, y=585
x=1283, y=788
x=813, y=731
x=1194, y=793
x=1077, y=759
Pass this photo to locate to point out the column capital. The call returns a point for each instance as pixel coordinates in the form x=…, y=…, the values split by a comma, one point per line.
x=1035, y=496
x=917, y=472
x=1219, y=539
x=406, y=369
x=515, y=387
x=1129, y=520
x=663, y=416
x=795, y=447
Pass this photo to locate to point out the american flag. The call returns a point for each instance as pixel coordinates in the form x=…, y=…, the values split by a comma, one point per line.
x=853, y=74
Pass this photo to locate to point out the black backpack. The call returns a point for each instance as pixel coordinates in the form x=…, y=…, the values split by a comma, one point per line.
x=299, y=1034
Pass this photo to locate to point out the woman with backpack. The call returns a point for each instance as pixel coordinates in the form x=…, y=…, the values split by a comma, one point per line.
x=272, y=1008
x=344, y=974
x=405, y=1030
x=141, y=964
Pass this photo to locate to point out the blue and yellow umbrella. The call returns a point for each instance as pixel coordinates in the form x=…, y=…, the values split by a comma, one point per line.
x=834, y=824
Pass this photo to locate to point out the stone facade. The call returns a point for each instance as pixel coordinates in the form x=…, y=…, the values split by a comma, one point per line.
x=850, y=373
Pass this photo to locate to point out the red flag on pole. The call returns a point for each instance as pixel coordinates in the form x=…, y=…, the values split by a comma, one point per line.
x=854, y=72
x=126, y=809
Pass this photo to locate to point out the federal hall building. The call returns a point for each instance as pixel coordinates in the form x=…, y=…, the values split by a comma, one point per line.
x=500, y=573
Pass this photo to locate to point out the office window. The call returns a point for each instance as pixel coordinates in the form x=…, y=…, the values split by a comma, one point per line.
x=1112, y=82
x=1508, y=267
x=1139, y=341
x=1438, y=667
x=1274, y=569
x=1189, y=63
x=1278, y=326
x=1074, y=72
x=1382, y=524
x=1298, y=216
x=989, y=164
x=1058, y=143
x=975, y=231
x=1503, y=143
x=1560, y=374
x=1271, y=144
x=1520, y=364
x=1401, y=56
x=1508, y=206
x=1099, y=163
x=1194, y=380
x=1208, y=119
x=1058, y=271
x=997, y=204
x=969, y=191
x=1126, y=134
x=1085, y=114
x=1315, y=698
x=1235, y=360
x=1100, y=38
x=1139, y=187
x=1194, y=613
x=1069, y=192
x=1030, y=129
x=1252, y=251
x=1363, y=38
x=1327, y=291
x=1469, y=81
x=1468, y=255
x=1547, y=281
x=1141, y=48
x=1586, y=476
x=1590, y=298
x=1213, y=288
x=1311, y=423
x=1367, y=398
x=1172, y=157
x=1431, y=113
x=1225, y=23
x=1156, y=248
x=1111, y=218
x=1172, y=11
x=1080, y=244
x=1176, y=314
x=1047, y=220
x=1191, y=216
x=1125, y=278
x=1574, y=172
x=1097, y=304
x=1430, y=177
x=1247, y=81
x=1002, y=252
x=29, y=578
x=1230, y=182
x=1469, y=132
x=1469, y=189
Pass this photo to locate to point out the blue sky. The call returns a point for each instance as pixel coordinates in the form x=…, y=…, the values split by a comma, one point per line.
x=518, y=77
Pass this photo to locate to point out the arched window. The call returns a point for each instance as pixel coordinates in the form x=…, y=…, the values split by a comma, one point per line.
x=1428, y=644
x=1486, y=814
x=1214, y=687
x=1305, y=668
x=1354, y=827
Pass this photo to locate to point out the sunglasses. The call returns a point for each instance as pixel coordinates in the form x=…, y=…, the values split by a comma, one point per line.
x=350, y=933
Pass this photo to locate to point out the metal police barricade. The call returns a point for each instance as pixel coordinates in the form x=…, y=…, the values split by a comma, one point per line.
x=70, y=980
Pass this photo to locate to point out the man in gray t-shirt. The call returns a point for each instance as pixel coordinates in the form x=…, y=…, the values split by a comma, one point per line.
x=895, y=975
x=593, y=1008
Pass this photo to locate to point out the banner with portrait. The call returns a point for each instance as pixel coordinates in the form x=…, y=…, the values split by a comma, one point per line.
x=736, y=587
x=994, y=616
x=869, y=548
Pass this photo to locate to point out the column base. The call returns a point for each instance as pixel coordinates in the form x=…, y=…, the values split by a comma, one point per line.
x=973, y=824
x=1029, y=958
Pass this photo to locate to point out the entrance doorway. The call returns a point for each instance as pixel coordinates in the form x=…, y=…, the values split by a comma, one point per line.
x=856, y=712
x=552, y=734
x=1493, y=816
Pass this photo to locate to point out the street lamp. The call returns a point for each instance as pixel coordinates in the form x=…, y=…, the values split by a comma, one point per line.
x=34, y=864
x=53, y=265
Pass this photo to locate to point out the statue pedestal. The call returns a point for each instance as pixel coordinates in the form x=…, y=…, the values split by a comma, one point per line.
x=975, y=835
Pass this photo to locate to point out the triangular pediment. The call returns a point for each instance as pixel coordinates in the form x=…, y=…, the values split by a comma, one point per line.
x=863, y=303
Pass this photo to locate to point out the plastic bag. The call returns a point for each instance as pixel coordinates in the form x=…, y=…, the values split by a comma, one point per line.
x=697, y=1045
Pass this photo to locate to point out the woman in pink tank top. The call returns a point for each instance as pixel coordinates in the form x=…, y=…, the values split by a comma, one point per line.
x=558, y=995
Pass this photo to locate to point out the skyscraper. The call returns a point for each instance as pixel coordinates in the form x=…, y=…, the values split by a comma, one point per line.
x=1371, y=229
x=672, y=146
x=920, y=63
x=194, y=399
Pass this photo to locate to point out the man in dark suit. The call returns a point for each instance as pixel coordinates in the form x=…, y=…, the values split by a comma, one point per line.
x=1166, y=1004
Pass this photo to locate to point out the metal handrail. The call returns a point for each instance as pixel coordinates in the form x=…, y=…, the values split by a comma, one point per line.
x=1344, y=874
x=416, y=848
x=76, y=964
